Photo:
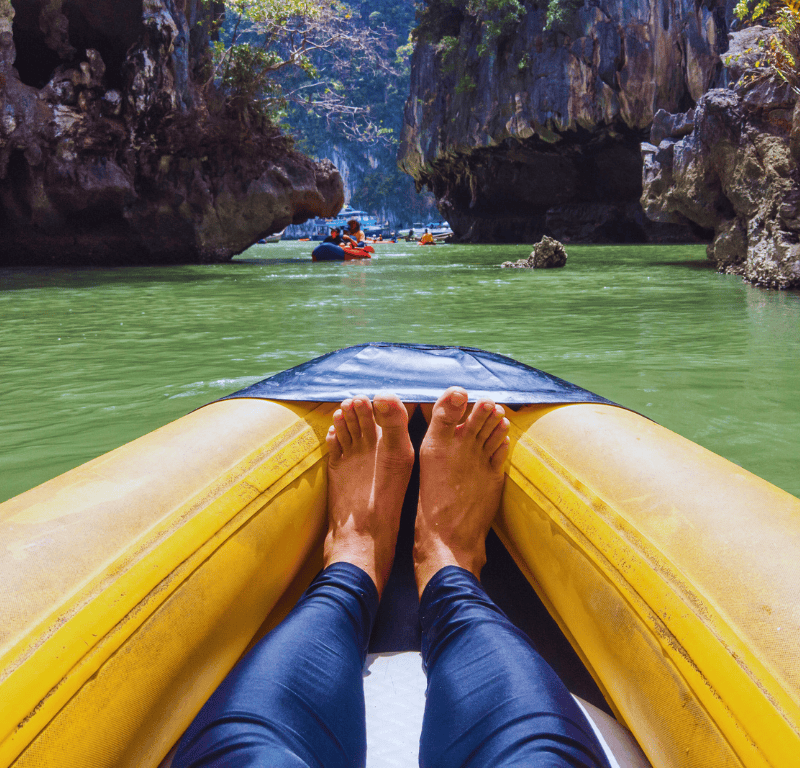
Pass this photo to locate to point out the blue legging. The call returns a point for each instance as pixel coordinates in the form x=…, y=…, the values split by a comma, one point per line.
x=297, y=699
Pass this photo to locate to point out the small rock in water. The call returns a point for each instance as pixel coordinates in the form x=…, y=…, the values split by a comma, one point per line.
x=546, y=253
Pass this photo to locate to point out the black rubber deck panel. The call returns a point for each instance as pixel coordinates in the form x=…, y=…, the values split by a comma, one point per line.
x=417, y=373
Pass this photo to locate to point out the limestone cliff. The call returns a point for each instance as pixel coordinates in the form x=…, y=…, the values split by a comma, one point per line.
x=731, y=165
x=110, y=154
x=541, y=133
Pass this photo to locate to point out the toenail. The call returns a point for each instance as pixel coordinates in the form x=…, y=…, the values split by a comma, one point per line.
x=488, y=406
x=458, y=398
x=381, y=407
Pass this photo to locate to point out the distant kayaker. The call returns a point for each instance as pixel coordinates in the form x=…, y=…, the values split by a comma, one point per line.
x=355, y=237
x=427, y=239
x=334, y=237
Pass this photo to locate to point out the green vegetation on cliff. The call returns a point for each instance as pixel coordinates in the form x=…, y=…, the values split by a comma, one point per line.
x=440, y=23
x=780, y=52
x=439, y=20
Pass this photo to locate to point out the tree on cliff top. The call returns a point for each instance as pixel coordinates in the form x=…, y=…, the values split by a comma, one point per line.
x=269, y=53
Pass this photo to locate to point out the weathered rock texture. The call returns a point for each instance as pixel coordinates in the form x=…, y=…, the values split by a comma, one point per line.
x=108, y=150
x=542, y=134
x=546, y=254
x=731, y=165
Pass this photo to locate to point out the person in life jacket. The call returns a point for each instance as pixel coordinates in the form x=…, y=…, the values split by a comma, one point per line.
x=354, y=237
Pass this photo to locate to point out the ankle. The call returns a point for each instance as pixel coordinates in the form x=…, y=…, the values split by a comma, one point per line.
x=371, y=555
x=430, y=557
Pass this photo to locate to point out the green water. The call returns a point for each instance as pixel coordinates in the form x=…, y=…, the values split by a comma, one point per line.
x=94, y=358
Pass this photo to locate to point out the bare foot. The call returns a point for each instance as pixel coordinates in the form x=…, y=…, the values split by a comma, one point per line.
x=460, y=482
x=369, y=465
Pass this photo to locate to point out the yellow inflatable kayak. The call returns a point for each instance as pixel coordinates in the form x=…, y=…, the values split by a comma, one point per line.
x=131, y=585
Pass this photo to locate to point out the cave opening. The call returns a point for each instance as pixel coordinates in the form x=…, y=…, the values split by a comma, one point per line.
x=623, y=231
x=108, y=212
x=35, y=61
x=110, y=31
x=111, y=28
x=16, y=192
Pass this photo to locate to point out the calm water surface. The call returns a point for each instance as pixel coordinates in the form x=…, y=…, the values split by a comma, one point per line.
x=94, y=358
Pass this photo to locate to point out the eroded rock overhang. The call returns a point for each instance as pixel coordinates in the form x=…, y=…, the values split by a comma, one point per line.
x=110, y=152
x=541, y=134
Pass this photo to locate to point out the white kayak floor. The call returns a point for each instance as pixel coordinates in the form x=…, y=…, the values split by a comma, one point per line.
x=394, y=689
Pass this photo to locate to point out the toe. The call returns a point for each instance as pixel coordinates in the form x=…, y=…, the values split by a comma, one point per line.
x=366, y=419
x=492, y=420
x=448, y=411
x=342, y=429
x=392, y=418
x=501, y=454
x=497, y=437
x=334, y=447
x=351, y=420
x=481, y=413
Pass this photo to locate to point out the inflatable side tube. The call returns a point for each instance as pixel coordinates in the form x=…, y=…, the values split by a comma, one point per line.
x=358, y=253
x=131, y=585
x=328, y=252
x=673, y=572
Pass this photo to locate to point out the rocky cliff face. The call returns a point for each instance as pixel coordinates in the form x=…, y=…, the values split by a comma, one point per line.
x=731, y=165
x=541, y=134
x=109, y=153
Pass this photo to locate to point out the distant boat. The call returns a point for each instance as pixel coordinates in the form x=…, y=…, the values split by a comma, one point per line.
x=440, y=230
x=369, y=224
x=276, y=238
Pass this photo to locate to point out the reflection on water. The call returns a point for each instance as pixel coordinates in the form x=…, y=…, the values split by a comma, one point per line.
x=94, y=358
x=264, y=262
x=699, y=264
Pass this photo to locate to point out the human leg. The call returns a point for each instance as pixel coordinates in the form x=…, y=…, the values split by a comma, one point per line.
x=491, y=699
x=297, y=698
